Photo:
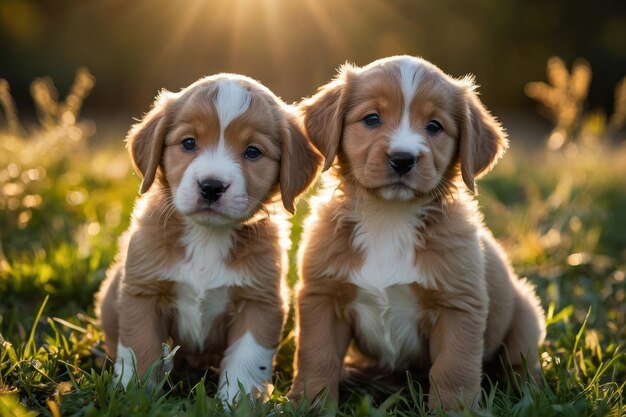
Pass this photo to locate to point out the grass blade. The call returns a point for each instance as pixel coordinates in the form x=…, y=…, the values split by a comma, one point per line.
x=30, y=348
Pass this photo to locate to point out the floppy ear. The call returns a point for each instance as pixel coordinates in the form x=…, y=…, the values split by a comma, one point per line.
x=482, y=139
x=145, y=141
x=323, y=116
x=299, y=163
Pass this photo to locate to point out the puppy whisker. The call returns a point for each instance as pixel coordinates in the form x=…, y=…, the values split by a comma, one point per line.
x=171, y=209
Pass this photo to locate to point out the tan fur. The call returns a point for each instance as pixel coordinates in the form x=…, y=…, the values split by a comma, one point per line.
x=469, y=303
x=136, y=302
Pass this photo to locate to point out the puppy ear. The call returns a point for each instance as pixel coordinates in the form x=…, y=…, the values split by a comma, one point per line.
x=145, y=141
x=299, y=163
x=324, y=113
x=482, y=139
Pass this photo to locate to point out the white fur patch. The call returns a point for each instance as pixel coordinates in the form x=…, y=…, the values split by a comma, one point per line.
x=217, y=164
x=397, y=193
x=387, y=323
x=197, y=312
x=410, y=76
x=202, y=281
x=247, y=363
x=404, y=139
x=125, y=365
x=386, y=233
x=232, y=101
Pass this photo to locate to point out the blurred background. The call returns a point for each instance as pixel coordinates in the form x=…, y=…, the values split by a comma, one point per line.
x=75, y=74
x=134, y=48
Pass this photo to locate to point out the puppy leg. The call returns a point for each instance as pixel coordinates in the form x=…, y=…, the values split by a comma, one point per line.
x=107, y=310
x=527, y=330
x=252, y=340
x=321, y=344
x=142, y=330
x=456, y=351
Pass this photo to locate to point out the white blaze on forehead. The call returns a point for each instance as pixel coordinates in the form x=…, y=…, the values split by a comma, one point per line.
x=232, y=101
x=404, y=139
x=410, y=77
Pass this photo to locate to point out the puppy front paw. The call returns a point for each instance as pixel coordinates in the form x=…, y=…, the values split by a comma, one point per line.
x=295, y=396
x=248, y=364
x=125, y=365
x=312, y=391
x=451, y=399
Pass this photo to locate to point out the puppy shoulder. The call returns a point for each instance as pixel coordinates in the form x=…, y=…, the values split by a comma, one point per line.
x=326, y=250
x=258, y=253
x=258, y=237
x=151, y=245
x=454, y=220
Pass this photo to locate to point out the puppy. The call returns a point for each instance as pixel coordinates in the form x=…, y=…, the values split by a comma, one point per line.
x=200, y=265
x=397, y=260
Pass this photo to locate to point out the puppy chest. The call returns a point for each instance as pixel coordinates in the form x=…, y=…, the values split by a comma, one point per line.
x=387, y=244
x=198, y=312
x=204, y=266
x=387, y=325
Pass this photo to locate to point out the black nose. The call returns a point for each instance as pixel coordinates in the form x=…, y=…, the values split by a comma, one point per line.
x=402, y=162
x=212, y=190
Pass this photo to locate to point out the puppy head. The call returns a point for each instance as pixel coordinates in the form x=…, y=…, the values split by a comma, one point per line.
x=222, y=148
x=402, y=129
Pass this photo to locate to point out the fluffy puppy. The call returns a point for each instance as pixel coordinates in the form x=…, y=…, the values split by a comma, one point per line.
x=201, y=266
x=397, y=260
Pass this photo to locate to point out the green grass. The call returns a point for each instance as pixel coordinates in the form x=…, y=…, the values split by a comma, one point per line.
x=64, y=201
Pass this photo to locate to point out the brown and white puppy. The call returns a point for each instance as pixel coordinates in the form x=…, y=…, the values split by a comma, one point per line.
x=201, y=265
x=397, y=259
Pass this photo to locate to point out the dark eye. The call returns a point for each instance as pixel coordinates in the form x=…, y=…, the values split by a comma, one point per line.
x=434, y=127
x=252, y=153
x=188, y=144
x=372, y=120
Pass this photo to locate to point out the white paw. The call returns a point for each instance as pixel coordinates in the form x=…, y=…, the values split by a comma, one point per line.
x=125, y=365
x=247, y=363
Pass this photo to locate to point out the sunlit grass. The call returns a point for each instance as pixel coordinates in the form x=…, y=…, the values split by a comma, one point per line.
x=558, y=213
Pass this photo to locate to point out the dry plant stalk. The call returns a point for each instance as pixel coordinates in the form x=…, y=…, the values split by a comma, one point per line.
x=46, y=97
x=10, y=112
x=83, y=83
x=563, y=97
x=59, y=136
x=618, y=119
x=4, y=264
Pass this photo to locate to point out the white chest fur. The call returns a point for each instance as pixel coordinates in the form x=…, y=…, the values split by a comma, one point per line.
x=387, y=324
x=386, y=310
x=386, y=234
x=197, y=312
x=202, y=282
